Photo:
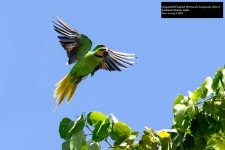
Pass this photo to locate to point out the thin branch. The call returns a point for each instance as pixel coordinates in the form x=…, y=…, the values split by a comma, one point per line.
x=86, y=125
x=108, y=143
x=88, y=128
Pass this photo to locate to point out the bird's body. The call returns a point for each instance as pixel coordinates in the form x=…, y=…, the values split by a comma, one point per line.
x=86, y=65
x=86, y=62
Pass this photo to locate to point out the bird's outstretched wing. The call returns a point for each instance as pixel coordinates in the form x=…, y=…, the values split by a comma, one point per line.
x=115, y=61
x=75, y=43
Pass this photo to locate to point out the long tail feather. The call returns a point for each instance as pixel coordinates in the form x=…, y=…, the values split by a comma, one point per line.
x=71, y=92
x=65, y=88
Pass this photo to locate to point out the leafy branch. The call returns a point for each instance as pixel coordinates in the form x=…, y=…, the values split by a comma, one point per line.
x=198, y=123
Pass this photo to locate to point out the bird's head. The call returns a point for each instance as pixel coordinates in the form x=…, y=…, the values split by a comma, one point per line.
x=100, y=50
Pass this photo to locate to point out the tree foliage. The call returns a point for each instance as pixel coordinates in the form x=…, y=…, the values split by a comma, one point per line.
x=198, y=123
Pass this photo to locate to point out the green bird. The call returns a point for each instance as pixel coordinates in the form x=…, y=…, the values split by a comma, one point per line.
x=87, y=62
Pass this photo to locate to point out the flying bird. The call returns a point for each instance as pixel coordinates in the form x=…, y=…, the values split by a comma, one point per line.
x=77, y=47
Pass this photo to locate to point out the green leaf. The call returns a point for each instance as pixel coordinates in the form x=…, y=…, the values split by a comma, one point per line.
x=120, y=140
x=199, y=126
x=102, y=130
x=218, y=105
x=203, y=123
x=179, y=111
x=208, y=107
x=120, y=130
x=223, y=102
x=146, y=140
x=199, y=93
x=78, y=124
x=92, y=145
x=191, y=108
x=135, y=133
x=78, y=141
x=176, y=138
x=195, y=129
x=200, y=144
x=208, y=84
x=216, y=80
x=223, y=80
x=94, y=117
x=189, y=142
x=65, y=126
x=178, y=99
x=214, y=127
x=220, y=144
x=66, y=145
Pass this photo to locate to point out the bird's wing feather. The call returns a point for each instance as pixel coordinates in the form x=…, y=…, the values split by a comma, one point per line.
x=75, y=43
x=115, y=61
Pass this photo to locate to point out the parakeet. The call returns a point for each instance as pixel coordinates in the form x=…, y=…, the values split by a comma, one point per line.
x=87, y=62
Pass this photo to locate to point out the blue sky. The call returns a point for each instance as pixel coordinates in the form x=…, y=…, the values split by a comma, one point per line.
x=174, y=55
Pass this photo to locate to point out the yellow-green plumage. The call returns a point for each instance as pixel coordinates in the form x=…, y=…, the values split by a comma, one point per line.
x=86, y=65
x=64, y=88
x=87, y=62
x=67, y=85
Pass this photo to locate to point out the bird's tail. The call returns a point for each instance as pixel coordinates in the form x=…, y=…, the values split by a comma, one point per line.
x=65, y=88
